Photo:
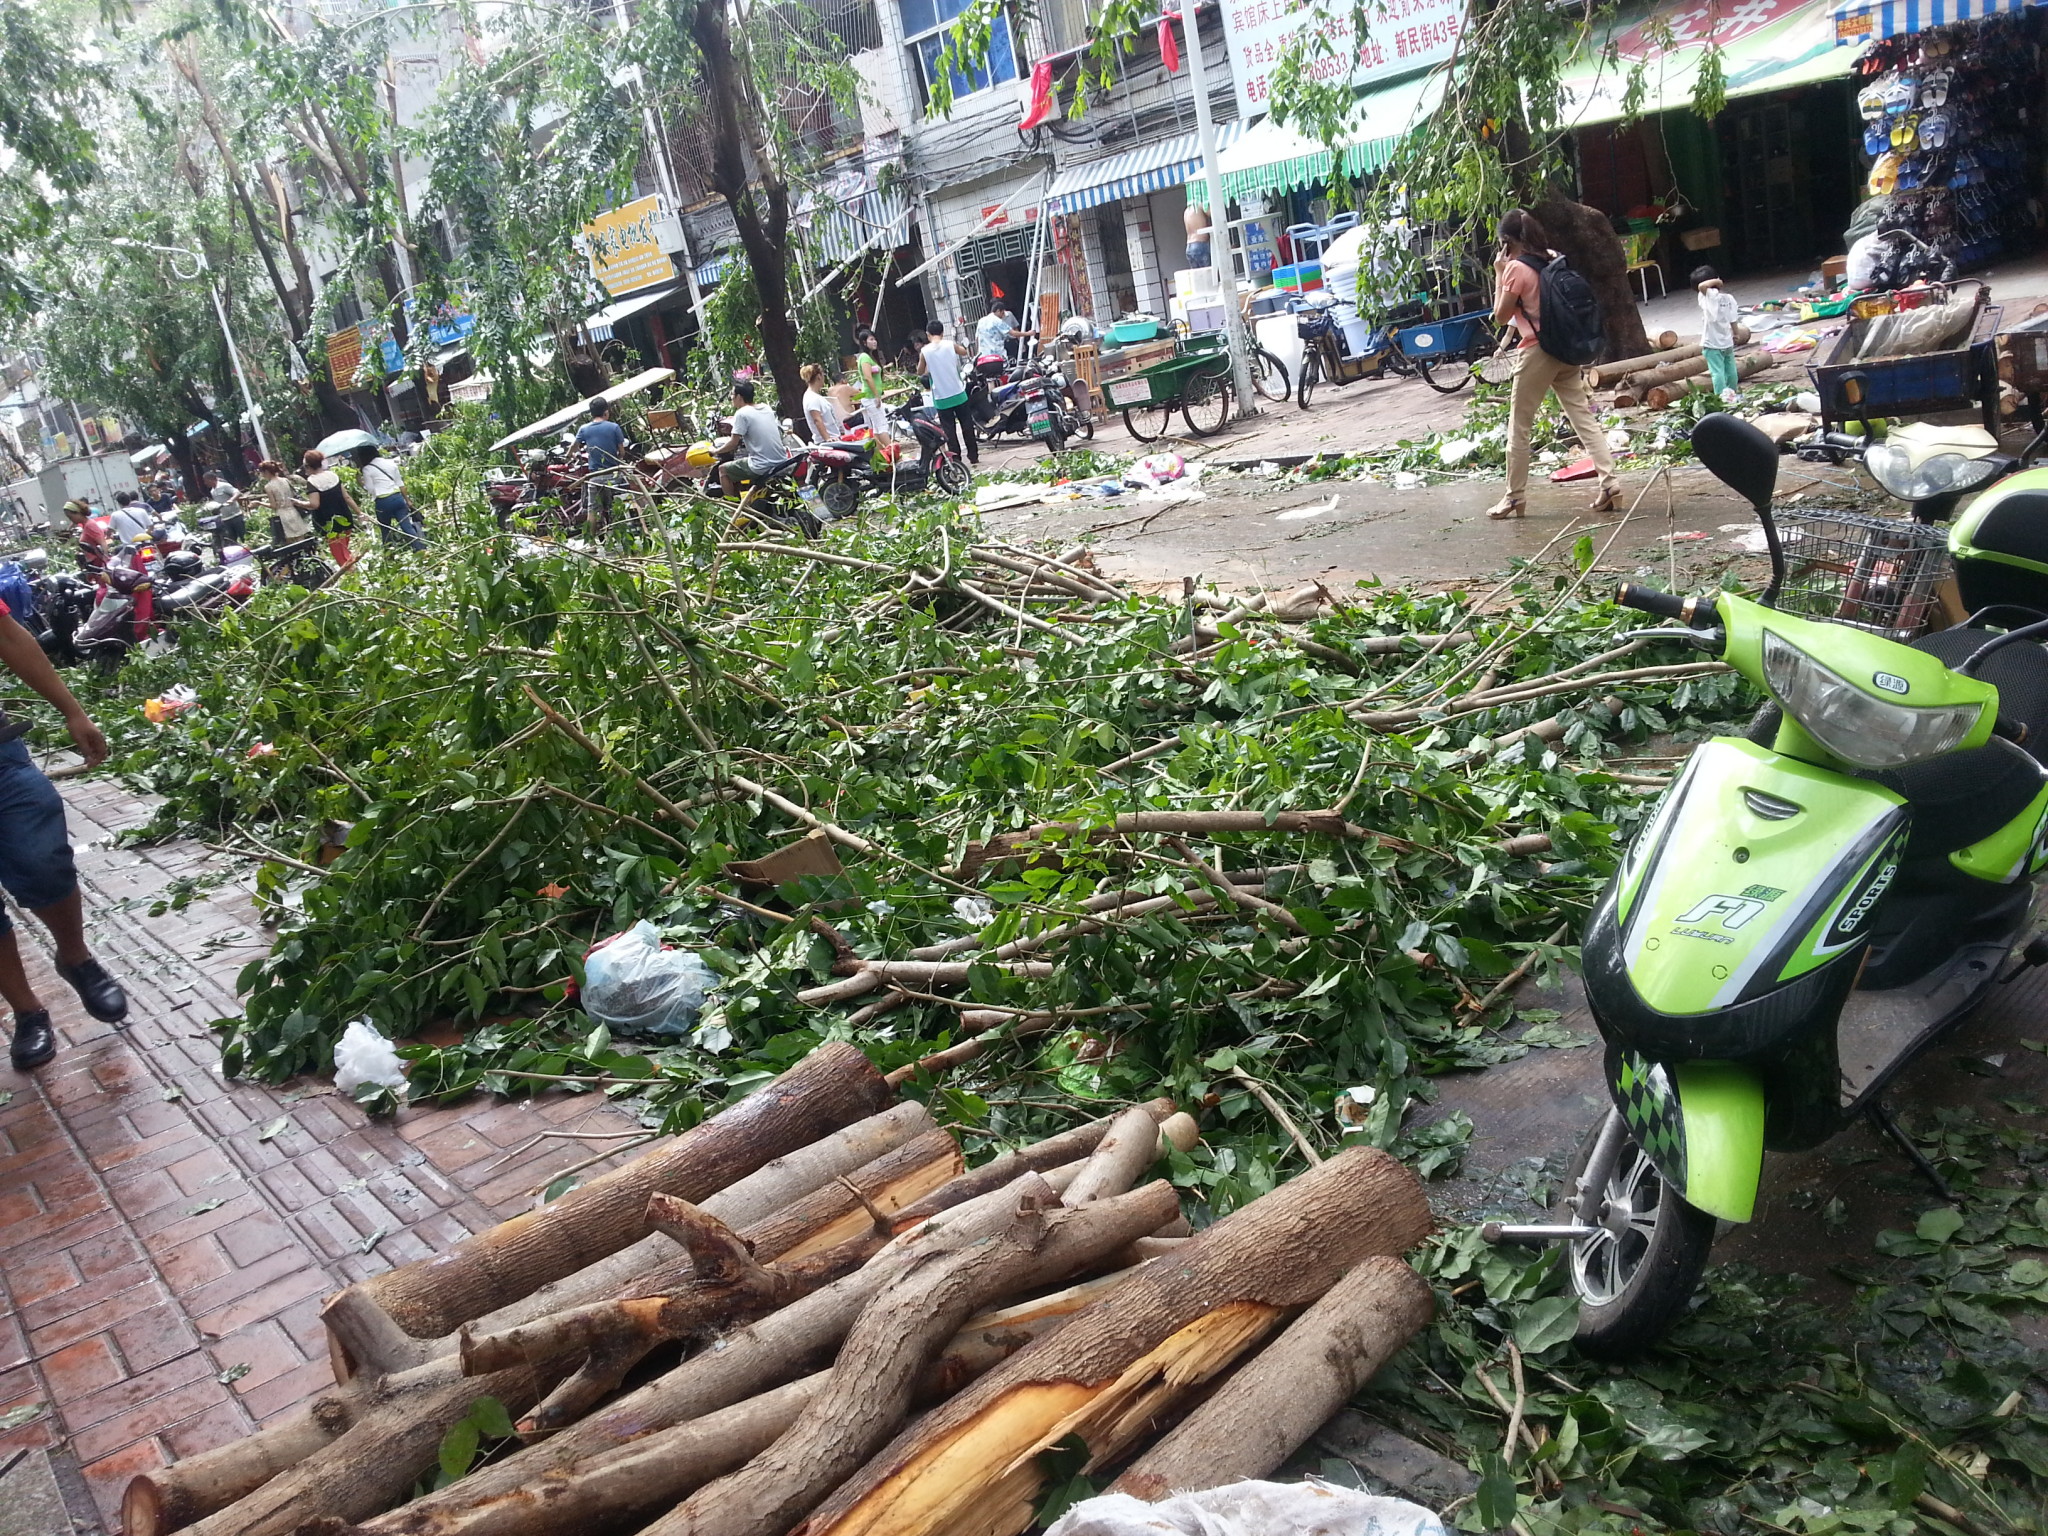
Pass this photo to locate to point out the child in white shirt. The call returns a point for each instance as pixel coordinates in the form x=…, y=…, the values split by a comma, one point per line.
x=1718, y=310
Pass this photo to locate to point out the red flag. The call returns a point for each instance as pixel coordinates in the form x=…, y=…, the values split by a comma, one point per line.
x=1169, y=49
x=995, y=290
x=1041, y=96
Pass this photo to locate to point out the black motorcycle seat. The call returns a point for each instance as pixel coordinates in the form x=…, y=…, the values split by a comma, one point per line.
x=1963, y=797
x=2019, y=673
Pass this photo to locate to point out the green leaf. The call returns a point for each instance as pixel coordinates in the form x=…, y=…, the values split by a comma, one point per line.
x=275, y=1129
x=1939, y=1224
x=1494, y=1501
x=1908, y=1475
x=1582, y=552
x=491, y=1418
x=458, y=1449
x=1546, y=1323
x=204, y=1206
x=1064, y=1485
x=233, y=1374
x=559, y=1187
x=27, y=1413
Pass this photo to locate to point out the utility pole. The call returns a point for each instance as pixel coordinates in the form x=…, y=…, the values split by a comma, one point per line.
x=1219, y=218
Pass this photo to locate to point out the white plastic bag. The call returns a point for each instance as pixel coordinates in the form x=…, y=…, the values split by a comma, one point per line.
x=1312, y=1508
x=362, y=1056
x=636, y=987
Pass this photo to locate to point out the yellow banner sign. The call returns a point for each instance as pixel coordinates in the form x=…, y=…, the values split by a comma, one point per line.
x=625, y=248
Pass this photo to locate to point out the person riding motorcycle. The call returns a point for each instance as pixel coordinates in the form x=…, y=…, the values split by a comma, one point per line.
x=91, y=531
x=755, y=446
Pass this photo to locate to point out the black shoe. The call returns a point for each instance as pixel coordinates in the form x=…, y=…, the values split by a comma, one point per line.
x=101, y=994
x=34, y=1041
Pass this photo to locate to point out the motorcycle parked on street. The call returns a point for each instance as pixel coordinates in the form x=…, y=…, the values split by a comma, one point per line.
x=114, y=627
x=1811, y=904
x=845, y=472
x=193, y=590
x=1030, y=399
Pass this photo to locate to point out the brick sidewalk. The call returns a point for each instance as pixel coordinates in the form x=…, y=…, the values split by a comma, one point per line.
x=166, y=1237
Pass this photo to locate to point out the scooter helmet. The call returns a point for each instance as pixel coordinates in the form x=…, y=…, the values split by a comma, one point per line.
x=183, y=564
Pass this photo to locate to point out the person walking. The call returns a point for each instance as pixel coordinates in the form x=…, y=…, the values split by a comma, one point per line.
x=36, y=865
x=397, y=523
x=603, y=442
x=1524, y=252
x=940, y=363
x=1718, y=313
x=334, y=510
x=288, y=522
x=868, y=364
x=230, y=523
x=821, y=415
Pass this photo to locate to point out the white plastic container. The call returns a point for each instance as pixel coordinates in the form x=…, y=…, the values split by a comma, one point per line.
x=1197, y=283
x=1205, y=317
x=1357, y=335
x=1277, y=334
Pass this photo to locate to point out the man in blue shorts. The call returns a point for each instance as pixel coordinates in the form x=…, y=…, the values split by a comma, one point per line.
x=35, y=859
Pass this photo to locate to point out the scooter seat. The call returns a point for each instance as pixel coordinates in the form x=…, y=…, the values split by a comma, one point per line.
x=2019, y=673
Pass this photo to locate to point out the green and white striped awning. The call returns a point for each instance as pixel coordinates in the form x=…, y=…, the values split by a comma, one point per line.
x=1273, y=158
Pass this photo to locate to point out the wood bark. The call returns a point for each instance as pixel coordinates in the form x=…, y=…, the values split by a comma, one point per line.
x=1603, y=374
x=1268, y=1410
x=1038, y=1157
x=1109, y=1374
x=834, y=1212
x=829, y=1089
x=798, y=1339
x=636, y=1481
x=394, y=1437
x=1583, y=235
x=1130, y=1147
x=1658, y=396
x=171, y=1498
x=869, y=1390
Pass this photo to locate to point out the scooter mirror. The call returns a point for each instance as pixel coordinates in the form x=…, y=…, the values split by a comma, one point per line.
x=1739, y=455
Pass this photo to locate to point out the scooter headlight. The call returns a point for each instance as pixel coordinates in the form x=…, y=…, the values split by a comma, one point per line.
x=1856, y=726
x=1943, y=474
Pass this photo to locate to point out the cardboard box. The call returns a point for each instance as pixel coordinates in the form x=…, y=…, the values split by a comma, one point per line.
x=1834, y=269
x=1700, y=239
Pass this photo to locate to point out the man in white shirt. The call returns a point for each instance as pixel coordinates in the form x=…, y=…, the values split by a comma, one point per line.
x=940, y=364
x=755, y=447
x=129, y=522
x=384, y=484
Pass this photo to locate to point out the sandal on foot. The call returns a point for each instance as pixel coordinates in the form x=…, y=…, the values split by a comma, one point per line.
x=1506, y=507
x=1609, y=500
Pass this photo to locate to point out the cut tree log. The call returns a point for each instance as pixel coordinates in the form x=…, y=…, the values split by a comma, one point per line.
x=835, y=1212
x=798, y=1339
x=971, y=1464
x=1659, y=396
x=359, y=1333
x=1039, y=1157
x=624, y=1487
x=173, y=1497
x=394, y=1437
x=828, y=1090
x=1689, y=362
x=1131, y=1147
x=1600, y=375
x=1268, y=1410
x=871, y=1382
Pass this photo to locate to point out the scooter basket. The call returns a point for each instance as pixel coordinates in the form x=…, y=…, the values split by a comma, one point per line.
x=1871, y=573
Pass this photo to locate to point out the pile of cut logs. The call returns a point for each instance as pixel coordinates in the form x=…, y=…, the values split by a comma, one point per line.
x=805, y=1313
x=1656, y=379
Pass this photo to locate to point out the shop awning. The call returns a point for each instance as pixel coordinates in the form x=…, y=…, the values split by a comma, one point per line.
x=877, y=218
x=601, y=325
x=1148, y=168
x=710, y=270
x=1769, y=45
x=1858, y=21
x=1275, y=158
x=569, y=413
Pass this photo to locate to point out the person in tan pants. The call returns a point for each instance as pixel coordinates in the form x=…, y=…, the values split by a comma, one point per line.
x=1524, y=248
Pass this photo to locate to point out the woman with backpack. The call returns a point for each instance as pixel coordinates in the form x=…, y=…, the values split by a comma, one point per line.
x=1525, y=255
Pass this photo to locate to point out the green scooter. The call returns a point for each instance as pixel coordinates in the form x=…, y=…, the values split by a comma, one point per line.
x=1808, y=906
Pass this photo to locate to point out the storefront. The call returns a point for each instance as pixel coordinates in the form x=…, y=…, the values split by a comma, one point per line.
x=1767, y=184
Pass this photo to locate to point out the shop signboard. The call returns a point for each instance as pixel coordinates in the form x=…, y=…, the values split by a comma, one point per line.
x=629, y=246
x=1403, y=36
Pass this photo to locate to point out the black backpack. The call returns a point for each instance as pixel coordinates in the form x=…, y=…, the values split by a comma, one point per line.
x=1570, y=326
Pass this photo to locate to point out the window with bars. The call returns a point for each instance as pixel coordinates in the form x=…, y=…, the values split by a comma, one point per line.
x=926, y=26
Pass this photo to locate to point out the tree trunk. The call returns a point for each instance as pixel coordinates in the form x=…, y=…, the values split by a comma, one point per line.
x=171, y=1498
x=1130, y=1147
x=744, y=172
x=395, y=1437
x=829, y=1089
x=632, y=1484
x=1584, y=237
x=800, y=1338
x=1268, y=1410
x=1121, y=1365
x=1658, y=396
x=1039, y=1157
x=843, y=1209
x=871, y=1382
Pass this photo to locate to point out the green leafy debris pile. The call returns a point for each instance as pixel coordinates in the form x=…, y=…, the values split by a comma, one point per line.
x=460, y=772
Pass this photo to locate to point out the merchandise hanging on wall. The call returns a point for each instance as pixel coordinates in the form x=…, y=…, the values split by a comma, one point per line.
x=1951, y=133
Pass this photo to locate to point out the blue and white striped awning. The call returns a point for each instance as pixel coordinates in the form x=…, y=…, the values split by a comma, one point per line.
x=1148, y=168
x=710, y=270
x=876, y=218
x=1862, y=21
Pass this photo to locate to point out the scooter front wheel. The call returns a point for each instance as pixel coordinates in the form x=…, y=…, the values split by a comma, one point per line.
x=1636, y=1275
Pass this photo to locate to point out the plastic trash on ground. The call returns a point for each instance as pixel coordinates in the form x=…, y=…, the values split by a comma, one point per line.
x=636, y=987
x=362, y=1056
x=1310, y=1508
x=1156, y=469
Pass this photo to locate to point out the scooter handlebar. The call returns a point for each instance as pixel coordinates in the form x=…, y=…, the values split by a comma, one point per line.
x=1666, y=605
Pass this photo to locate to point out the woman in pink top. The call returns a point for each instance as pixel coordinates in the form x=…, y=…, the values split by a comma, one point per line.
x=1524, y=249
